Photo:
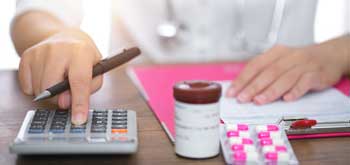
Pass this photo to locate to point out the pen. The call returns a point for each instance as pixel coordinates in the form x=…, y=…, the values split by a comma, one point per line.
x=308, y=123
x=98, y=69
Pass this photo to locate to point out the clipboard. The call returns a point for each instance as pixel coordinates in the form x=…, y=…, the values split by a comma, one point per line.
x=318, y=130
x=155, y=85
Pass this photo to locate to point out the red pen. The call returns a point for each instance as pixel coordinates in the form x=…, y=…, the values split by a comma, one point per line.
x=308, y=123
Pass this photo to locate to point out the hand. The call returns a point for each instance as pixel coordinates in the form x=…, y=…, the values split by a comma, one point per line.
x=288, y=73
x=69, y=53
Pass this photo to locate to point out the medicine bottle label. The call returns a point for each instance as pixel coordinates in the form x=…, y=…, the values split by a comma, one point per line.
x=197, y=129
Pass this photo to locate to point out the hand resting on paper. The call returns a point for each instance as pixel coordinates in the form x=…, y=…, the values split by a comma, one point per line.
x=289, y=73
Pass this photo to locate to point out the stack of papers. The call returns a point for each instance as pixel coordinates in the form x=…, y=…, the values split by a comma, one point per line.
x=328, y=105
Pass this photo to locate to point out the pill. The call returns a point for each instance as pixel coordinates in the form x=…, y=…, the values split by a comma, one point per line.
x=269, y=127
x=237, y=127
x=242, y=156
x=239, y=140
x=269, y=134
x=242, y=147
x=274, y=148
x=269, y=141
x=238, y=133
x=277, y=156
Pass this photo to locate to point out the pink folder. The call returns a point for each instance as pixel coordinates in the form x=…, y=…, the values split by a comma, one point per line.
x=155, y=84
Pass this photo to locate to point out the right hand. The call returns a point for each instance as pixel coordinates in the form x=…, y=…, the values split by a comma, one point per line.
x=67, y=54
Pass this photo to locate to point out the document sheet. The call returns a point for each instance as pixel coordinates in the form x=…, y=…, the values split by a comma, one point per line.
x=327, y=105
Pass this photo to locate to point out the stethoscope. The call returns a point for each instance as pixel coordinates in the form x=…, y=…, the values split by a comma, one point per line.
x=169, y=29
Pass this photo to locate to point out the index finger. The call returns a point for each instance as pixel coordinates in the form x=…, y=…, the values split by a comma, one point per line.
x=80, y=77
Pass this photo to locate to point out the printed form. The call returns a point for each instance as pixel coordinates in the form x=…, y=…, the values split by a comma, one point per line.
x=327, y=105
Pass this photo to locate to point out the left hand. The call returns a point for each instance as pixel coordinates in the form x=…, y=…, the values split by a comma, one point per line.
x=288, y=73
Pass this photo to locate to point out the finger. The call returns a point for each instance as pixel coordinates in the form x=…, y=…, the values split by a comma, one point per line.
x=80, y=75
x=25, y=75
x=96, y=83
x=54, y=73
x=307, y=82
x=64, y=100
x=37, y=69
x=271, y=74
x=280, y=86
x=253, y=68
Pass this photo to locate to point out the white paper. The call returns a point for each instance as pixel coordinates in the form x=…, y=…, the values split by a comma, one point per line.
x=327, y=105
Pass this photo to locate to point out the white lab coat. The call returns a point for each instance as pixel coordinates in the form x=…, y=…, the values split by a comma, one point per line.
x=210, y=25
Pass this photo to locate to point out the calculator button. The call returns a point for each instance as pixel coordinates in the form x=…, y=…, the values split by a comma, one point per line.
x=119, y=131
x=100, y=113
x=119, y=118
x=38, y=122
x=119, y=122
x=119, y=126
x=42, y=113
x=78, y=128
x=37, y=127
x=99, y=122
x=119, y=111
x=119, y=115
x=98, y=129
x=57, y=130
x=35, y=131
x=61, y=112
x=97, y=140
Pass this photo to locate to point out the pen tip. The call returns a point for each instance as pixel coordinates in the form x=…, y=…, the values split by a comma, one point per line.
x=41, y=96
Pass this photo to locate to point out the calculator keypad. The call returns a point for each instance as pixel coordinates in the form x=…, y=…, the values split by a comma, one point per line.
x=102, y=125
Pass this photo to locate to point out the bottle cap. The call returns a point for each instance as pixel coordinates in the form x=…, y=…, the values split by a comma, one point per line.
x=197, y=92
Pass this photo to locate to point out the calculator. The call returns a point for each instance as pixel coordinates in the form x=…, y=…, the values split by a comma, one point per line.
x=107, y=131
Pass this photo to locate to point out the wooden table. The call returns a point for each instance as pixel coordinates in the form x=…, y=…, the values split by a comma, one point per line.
x=154, y=146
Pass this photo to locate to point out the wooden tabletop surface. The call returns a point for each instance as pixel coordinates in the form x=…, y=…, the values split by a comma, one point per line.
x=154, y=146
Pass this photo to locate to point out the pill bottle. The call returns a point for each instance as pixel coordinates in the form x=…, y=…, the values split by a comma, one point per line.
x=197, y=118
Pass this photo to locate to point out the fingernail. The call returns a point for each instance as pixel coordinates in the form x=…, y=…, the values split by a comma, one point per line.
x=243, y=97
x=79, y=118
x=288, y=97
x=231, y=92
x=260, y=99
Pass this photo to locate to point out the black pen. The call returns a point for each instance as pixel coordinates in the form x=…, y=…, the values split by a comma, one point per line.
x=100, y=68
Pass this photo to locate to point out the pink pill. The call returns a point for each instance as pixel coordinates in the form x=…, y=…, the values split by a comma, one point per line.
x=239, y=140
x=262, y=135
x=277, y=156
x=237, y=127
x=242, y=147
x=247, y=141
x=268, y=134
x=237, y=147
x=242, y=127
x=232, y=133
x=269, y=127
x=264, y=142
x=269, y=141
x=245, y=156
x=274, y=148
x=281, y=148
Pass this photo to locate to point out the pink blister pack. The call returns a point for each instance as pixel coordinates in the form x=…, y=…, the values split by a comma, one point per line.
x=256, y=144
